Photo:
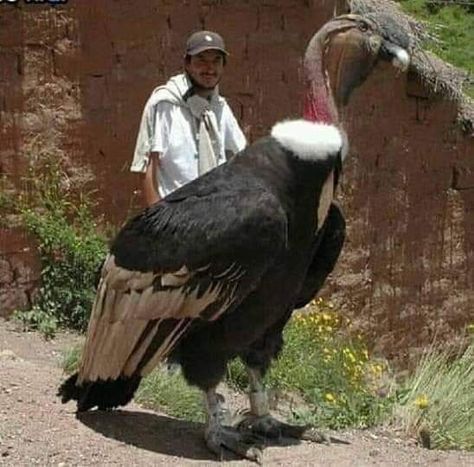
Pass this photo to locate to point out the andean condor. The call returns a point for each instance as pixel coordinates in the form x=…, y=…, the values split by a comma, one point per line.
x=215, y=269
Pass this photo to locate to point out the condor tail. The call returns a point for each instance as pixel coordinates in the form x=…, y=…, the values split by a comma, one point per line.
x=101, y=394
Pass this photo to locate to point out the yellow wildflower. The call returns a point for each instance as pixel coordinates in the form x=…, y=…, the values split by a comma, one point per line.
x=422, y=401
x=329, y=397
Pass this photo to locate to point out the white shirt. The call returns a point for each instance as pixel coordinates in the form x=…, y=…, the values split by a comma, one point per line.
x=172, y=132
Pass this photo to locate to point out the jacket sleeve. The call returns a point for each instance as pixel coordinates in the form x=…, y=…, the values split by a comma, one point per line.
x=144, y=137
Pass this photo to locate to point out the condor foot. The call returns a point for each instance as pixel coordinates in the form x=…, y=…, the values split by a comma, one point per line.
x=245, y=445
x=272, y=429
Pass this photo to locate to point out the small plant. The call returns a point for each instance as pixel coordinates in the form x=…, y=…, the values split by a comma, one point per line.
x=70, y=359
x=37, y=318
x=70, y=246
x=168, y=391
x=330, y=370
x=71, y=254
x=438, y=402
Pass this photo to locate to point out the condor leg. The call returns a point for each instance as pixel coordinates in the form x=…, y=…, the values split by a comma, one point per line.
x=261, y=423
x=220, y=437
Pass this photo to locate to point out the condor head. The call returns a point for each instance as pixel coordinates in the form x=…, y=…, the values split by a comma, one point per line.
x=349, y=46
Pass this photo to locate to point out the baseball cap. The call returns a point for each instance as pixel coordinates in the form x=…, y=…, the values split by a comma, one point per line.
x=204, y=40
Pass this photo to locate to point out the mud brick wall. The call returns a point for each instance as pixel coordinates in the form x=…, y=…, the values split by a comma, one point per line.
x=407, y=270
x=74, y=79
x=19, y=271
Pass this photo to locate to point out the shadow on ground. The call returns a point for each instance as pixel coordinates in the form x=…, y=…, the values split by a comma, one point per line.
x=153, y=432
x=159, y=433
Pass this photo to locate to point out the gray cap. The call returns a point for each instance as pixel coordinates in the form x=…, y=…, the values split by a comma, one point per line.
x=204, y=40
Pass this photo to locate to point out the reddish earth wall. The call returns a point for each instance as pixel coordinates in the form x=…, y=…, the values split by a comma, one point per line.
x=74, y=80
x=407, y=270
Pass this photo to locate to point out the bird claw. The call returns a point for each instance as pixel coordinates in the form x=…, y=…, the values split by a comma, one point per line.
x=271, y=428
x=246, y=445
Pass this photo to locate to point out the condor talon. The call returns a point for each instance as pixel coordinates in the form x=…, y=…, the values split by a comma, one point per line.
x=219, y=437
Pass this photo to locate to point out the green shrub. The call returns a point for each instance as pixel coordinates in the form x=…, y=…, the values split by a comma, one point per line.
x=330, y=370
x=36, y=318
x=71, y=254
x=70, y=246
x=438, y=403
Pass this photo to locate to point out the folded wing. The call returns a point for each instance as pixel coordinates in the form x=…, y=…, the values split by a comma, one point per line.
x=194, y=256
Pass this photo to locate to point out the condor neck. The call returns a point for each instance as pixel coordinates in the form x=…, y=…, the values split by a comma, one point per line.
x=319, y=105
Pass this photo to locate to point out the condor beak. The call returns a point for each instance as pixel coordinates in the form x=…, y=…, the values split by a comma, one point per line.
x=349, y=60
x=396, y=54
x=351, y=57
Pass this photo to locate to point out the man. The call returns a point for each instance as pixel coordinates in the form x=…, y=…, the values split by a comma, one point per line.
x=187, y=128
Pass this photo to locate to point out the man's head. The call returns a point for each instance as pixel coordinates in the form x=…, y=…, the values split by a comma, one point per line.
x=205, y=58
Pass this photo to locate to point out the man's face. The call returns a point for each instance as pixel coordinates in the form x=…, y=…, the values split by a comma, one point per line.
x=206, y=68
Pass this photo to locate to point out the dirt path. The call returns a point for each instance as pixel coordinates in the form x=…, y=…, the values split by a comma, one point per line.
x=35, y=428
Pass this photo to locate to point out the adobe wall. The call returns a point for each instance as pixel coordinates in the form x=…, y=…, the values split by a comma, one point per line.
x=408, y=189
x=74, y=79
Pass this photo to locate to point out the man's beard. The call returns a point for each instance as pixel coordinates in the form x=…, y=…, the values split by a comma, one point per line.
x=198, y=86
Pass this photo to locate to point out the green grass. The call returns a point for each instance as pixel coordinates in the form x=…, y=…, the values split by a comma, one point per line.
x=168, y=392
x=329, y=370
x=454, y=26
x=70, y=359
x=439, y=400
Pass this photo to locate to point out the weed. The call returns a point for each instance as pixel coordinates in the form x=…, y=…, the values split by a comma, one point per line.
x=168, y=391
x=71, y=358
x=70, y=246
x=37, y=318
x=328, y=368
x=438, y=402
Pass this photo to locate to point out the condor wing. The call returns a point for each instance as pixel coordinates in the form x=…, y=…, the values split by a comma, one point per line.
x=193, y=256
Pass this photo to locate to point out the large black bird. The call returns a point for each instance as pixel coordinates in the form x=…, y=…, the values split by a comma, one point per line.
x=215, y=269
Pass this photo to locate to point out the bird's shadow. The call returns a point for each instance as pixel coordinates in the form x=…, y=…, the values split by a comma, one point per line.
x=153, y=432
x=158, y=433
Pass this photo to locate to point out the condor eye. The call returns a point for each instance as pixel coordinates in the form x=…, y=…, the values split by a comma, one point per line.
x=363, y=26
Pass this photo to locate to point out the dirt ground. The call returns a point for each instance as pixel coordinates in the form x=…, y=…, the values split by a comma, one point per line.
x=36, y=429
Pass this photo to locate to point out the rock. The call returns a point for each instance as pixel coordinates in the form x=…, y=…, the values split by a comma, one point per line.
x=425, y=438
x=8, y=355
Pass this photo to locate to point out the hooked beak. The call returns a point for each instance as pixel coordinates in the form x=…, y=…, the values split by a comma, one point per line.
x=351, y=57
x=348, y=48
x=349, y=60
x=396, y=54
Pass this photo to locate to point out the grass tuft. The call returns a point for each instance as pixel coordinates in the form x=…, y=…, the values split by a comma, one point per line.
x=168, y=391
x=438, y=403
x=328, y=368
x=71, y=358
